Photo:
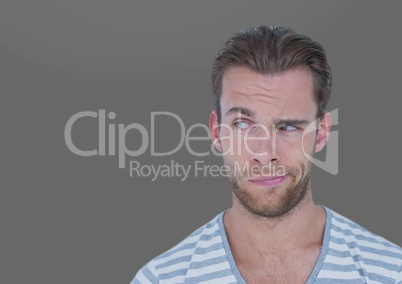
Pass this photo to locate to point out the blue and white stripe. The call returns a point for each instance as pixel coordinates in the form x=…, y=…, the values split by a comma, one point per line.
x=349, y=254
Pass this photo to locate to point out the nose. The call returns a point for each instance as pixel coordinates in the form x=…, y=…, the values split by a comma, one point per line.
x=262, y=149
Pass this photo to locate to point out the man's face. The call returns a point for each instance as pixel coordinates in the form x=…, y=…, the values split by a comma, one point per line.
x=263, y=119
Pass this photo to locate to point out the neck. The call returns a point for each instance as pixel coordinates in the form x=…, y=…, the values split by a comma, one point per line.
x=301, y=227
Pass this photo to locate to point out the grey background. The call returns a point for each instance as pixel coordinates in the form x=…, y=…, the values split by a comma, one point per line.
x=71, y=219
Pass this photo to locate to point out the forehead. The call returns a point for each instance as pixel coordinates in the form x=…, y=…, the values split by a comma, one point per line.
x=289, y=94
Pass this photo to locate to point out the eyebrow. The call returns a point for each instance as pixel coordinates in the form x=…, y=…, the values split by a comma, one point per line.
x=277, y=121
x=242, y=110
x=295, y=122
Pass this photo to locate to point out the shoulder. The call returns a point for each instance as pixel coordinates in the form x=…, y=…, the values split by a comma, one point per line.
x=201, y=249
x=353, y=245
x=344, y=229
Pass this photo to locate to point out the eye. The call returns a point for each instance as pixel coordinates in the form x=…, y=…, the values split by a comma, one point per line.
x=242, y=124
x=287, y=127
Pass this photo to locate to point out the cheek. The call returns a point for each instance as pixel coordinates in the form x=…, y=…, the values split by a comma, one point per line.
x=225, y=138
x=309, y=142
x=232, y=142
x=290, y=149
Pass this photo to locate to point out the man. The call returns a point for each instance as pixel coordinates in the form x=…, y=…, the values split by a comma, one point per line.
x=270, y=85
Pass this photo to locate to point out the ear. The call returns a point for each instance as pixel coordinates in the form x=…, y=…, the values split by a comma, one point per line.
x=214, y=130
x=324, y=128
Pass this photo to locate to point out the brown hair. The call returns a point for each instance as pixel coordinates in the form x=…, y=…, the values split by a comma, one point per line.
x=269, y=50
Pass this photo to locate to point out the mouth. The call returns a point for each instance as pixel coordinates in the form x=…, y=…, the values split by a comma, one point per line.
x=268, y=180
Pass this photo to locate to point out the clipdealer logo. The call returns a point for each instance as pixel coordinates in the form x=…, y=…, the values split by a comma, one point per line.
x=122, y=130
x=110, y=131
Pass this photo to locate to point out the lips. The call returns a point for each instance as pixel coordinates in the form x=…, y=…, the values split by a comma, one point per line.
x=268, y=180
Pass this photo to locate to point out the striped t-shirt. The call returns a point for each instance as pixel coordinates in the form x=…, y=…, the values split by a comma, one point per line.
x=349, y=254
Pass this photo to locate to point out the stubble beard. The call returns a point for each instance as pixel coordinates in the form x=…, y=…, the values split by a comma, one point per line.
x=285, y=202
